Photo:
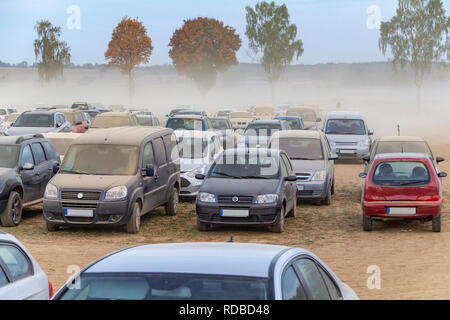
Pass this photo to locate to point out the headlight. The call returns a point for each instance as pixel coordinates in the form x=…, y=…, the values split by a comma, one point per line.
x=319, y=175
x=116, y=193
x=206, y=197
x=51, y=192
x=267, y=198
x=364, y=142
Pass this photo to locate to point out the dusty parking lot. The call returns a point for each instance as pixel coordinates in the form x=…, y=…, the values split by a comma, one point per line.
x=414, y=262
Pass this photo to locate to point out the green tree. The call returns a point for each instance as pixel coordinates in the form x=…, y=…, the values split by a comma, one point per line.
x=273, y=38
x=416, y=37
x=51, y=53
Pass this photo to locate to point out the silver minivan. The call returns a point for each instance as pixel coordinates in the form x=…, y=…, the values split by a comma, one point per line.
x=347, y=134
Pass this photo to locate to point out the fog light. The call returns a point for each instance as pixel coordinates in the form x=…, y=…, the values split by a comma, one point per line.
x=114, y=218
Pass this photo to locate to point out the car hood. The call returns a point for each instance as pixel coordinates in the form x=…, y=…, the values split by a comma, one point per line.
x=346, y=137
x=308, y=166
x=89, y=182
x=20, y=131
x=223, y=186
x=191, y=164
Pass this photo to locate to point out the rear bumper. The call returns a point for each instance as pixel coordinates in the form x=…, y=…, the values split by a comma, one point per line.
x=424, y=209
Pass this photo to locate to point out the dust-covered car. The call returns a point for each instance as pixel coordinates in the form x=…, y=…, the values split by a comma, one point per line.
x=240, y=119
x=61, y=141
x=113, y=120
x=77, y=118
x=258, y=133
x=113, y=177
x=7, y=123
x=32, y=122
x=227, y=135
x=311, y=119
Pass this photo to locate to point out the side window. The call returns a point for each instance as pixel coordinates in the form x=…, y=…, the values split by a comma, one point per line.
x=49, y=150
x=156, y=122
x=3, y=279
x=327, y=147
x=313, y=279
x=288, y=164
x=27, y=156
x=284, y=170
x=15, y=261
x=134, y=121
x=38, y=152
x=332, y=288
x=160, y=151
x=148, y=157
x=291, y=287
x=60, y=118
x=171, y=147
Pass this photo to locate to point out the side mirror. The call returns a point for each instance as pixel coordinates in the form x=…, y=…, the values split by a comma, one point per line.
x=333, y=156
x=370, y=133
x=55, y=168
x=86, y=127
x=58, y=124
x=366, y=158
x=442, y=174
x=439, y=159
x=199, y=176
x=291, y=178
x=363, y=175
x=149, y=170
x=27, y=166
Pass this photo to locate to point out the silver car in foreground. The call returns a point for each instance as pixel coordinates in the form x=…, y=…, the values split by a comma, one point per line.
x=207, y=271
x=21, y=278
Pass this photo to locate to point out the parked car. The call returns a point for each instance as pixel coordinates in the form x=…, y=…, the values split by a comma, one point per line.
x=77, y=118
x=113, y=177
x=312, y=161
x=189, y=122
x=247, y=187
x=148, y=120
x=176, y=110
x=258, y=133
x=264, y=111
x=295, y=122
x=9, y=120
x=207, y=271
x=95, y=112
x=348, y=134
x=114, y=119
x=5, y=112
x=402, y=186
x=81, y=106
x=26, y=165
x=117, y=108
x=240, y=119
x=310, y=118
x=21, y=278
x=224, y=113
x=227, y=134
x=197, y=149
x=32, y=122
x=400, y=144
x=61, y=141
x=138, y=111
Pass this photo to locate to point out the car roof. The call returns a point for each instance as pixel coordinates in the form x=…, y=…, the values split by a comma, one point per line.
x=121, y=135
x=52, y=111
x=405, y=155
x=265, y=122
x=114, y=114
x=67, y=110
x=193, y=258
x=311, y=134
x=400, y=138
x=187, y=116
x=287, y=117
x=342, y=114
x=195, y=133
x=17, y=140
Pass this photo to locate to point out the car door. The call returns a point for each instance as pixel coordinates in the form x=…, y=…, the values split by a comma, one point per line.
x=162, y=171
x=290, y=186
x=150, y=184
x=30, y=181
x=43, y=168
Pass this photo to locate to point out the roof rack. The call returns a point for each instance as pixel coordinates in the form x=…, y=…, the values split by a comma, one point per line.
x=29, y=137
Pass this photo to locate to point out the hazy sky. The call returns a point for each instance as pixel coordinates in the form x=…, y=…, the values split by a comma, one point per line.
x=332, y=30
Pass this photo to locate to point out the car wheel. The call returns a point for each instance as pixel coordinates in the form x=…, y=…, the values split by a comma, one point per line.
x=12, y=215
x=278, y=227
x=51, y=227
x=327, y=200
x=436, y=224
x=134, y=224
x=172, y=205
x=367, y=223
x=202, y=226
x=293, y=212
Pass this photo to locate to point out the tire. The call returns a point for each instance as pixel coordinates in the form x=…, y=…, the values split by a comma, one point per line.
x=327, y=200
x=202, y=226
x=293, y=212
x=278, y=227
x=51, y=227
x=172, y=206
x=12, y=215
x=367, y=223
x=332, y=188
x=134, y=224
x=436, y=224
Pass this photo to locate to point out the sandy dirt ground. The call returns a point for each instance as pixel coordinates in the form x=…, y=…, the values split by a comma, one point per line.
x=414, y=261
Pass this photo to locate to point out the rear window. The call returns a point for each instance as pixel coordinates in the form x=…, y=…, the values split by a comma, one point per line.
x=403, y=146
x=401, y=174
x=262, y=129
x=185, y=124
x=110, y=122
x=220, y=124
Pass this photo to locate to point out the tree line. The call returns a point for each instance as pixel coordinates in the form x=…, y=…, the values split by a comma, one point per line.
x=415, y=37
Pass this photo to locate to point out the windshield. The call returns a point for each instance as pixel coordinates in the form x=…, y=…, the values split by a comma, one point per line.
x=220, y=124
x=250, y=166
x=192, y=148
x=401, y=173
x=167, y=287
x=302, y=149
x=346, y=126
x=404, y=146
x=8, y=156
x=34, y=120
x=294, y=124
x=81, y=106
x=185, y=124
x=2, y=112
x=266, y=130
x=101, y=159
x=110, y=122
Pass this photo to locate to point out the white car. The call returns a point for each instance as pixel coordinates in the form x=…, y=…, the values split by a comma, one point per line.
x=5, y=112
x=21, y=278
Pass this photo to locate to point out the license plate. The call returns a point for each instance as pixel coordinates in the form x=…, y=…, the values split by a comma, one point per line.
x=234, y=213
x=79, y=213
x=346, y=151
x=398, y=210
x=300, y=188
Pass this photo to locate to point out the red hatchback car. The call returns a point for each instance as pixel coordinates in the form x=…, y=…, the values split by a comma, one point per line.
x=402, y=186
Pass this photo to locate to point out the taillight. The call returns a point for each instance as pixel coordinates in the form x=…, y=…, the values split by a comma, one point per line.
x=428, y=198
x=374, y=198
x=50, y=290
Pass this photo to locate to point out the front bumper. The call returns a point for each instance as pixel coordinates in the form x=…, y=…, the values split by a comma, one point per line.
x=312, y=189
x=104, y=213
x=189, y=186
x=350, y=151
x=424, y=209
x=263, y=214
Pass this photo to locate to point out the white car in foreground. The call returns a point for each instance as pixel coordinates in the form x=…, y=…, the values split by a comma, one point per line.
x=21, y=278
x=207, y=271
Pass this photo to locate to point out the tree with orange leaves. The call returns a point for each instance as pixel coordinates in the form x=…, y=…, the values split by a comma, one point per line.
x=203, y=47
x=129, y=47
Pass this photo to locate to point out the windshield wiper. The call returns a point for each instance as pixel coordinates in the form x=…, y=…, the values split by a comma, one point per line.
x=76, y=172
x=254, y=177
x=226, y=175
x=411, y=182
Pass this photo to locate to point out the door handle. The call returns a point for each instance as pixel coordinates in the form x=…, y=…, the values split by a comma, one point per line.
x=37, y=174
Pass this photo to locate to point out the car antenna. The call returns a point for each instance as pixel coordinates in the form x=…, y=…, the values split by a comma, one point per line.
x=231, y=239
